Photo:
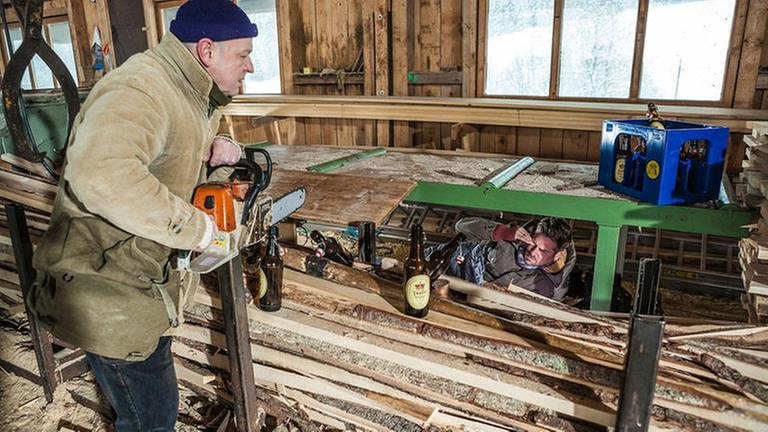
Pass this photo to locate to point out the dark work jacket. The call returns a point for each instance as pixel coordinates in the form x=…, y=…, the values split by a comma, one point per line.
x=486, y=260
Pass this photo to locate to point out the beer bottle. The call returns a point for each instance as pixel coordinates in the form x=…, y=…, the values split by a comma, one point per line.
x=440, y=259
x=654, y=119
x=416, y=276
x=330, y=248
x=254, y=277
x=272, y=270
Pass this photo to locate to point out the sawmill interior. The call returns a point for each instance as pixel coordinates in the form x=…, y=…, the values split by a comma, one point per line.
x=433, y=215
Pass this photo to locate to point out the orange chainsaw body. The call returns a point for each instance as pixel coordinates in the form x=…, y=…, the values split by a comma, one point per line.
x=217, y=199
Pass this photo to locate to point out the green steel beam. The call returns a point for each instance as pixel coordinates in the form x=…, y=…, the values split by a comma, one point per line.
x=261, y=144
x=602, y=211
x=608, y=239
x=609, y=215
x=340, y=162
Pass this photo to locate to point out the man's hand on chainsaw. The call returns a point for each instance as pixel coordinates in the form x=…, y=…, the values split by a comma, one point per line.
x=223, y=151
x=211, y=232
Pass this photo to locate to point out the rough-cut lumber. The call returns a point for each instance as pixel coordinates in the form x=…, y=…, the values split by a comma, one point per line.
x=327, y=326
x=340, y=199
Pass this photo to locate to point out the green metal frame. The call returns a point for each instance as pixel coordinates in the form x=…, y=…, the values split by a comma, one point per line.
x=340, y=162
x=609, y=215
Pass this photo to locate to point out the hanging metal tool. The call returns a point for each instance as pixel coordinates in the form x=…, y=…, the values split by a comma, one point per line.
x=30, y=13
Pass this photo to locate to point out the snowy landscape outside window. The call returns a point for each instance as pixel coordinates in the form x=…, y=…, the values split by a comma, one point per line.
x=519, y=47
x=685, y=57
x=682, y=57
x=597, y=47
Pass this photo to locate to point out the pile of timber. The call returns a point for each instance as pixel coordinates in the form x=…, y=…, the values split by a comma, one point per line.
x=753, y=250
x=30, y=185
x=341, y=354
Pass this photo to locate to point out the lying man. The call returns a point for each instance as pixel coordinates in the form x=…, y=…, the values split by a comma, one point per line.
x=504, y=255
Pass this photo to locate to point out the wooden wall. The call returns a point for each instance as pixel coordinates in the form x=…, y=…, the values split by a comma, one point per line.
x=378, y=44
x=442, y=44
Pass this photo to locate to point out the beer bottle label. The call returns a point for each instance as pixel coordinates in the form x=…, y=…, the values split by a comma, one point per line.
x=262, y=283
x=618, y=170
x=417, y=291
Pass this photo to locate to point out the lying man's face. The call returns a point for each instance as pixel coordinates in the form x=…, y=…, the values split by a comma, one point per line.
x=542, y=251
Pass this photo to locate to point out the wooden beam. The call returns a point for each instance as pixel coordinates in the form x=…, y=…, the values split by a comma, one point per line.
x=751, y=51
x=502, y=112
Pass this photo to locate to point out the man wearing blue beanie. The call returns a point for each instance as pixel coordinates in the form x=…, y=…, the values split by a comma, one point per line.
x=142, y=141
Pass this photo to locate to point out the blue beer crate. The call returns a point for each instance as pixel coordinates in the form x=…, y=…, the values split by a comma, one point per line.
x=681, y=164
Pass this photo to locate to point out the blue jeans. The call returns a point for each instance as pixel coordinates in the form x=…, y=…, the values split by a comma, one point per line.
x=144, y=394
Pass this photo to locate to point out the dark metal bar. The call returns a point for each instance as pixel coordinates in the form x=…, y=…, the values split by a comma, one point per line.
x=641, y=363
x=235, y=313
x=640, y=370
x=31, y=17
x=646, y=298
x=41, y=340
x=366, y=241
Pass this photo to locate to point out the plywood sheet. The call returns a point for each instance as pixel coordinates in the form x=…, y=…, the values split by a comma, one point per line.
x=340, y=199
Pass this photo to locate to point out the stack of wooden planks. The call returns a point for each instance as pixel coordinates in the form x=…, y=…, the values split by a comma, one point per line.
x=753, y=251
x=28, y=184
x=340, y=354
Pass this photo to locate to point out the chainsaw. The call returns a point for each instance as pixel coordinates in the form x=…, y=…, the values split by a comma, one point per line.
x=241, y=213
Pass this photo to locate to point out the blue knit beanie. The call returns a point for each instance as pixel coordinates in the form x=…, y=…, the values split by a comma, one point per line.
x=218, y=20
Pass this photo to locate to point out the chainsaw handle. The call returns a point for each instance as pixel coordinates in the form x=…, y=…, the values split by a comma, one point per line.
x=256, y=176
x=250, y=154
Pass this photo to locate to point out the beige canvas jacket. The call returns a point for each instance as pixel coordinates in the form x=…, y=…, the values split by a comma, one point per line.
x=134, y=158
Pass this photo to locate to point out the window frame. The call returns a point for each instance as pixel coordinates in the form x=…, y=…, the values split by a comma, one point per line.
x=729, y=76
x=47, y=21
x=155, y=26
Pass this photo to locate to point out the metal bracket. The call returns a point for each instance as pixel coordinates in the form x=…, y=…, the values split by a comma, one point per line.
x=30, y=13
x=641, y=362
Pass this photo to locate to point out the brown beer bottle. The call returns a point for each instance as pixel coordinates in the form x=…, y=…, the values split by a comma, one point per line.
x=440, y=260
x=254, y=277
x=272, y=275
x=654, y=118
x=330, y=248
x=416, y=276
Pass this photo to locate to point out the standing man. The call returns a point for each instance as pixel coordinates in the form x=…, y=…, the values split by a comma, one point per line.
x=138, y=148
x=539, y=261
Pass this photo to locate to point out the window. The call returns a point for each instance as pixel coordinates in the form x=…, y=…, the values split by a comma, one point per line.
x=519, y=47
x=38, y=75
x=685, y=61
x=265, y=55
x=597, y=48
x=679, y=59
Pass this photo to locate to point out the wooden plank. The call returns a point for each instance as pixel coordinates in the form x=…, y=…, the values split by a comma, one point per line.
x=382, y=55
x=551, y=144
x=400, y=64
x=557, y=30
x=287, y=23
x=637, y=60
x=587, y=116
x=734, y=52
x=575, y=145
x=340, y=199
x=469, y=48
x=754, y=36
x=450, y=57
x=528, y=140
x=482, y=38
